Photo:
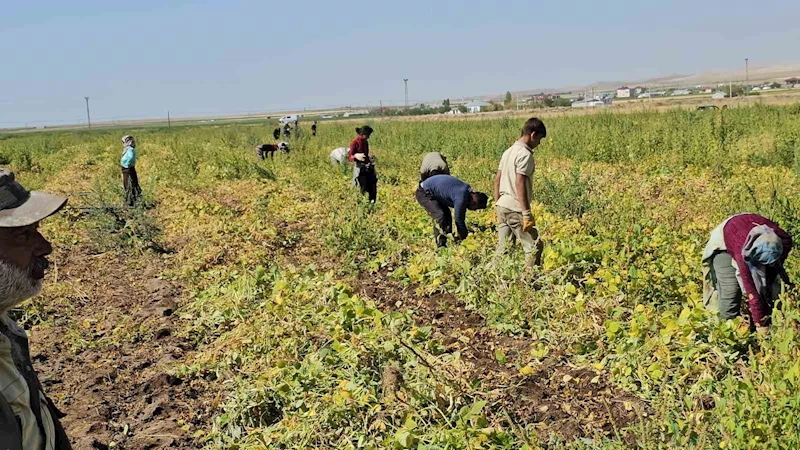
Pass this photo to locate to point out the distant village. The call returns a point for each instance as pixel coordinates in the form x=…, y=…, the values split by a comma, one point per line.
x=587, y=99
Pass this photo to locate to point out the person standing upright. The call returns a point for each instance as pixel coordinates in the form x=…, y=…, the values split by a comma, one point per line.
x=364, y=171
x=276, y=133
x=513, y=191
x=130, y=179
x=314, y=128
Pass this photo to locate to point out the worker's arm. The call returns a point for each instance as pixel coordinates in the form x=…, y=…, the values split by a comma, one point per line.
x=497, y=185
x=460, y=212
x=759, y=309
x=352, y=152
x=522, y=192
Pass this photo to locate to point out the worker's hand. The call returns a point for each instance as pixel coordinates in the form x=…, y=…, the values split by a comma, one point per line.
x=360, y=157
x=762, y=330
x=528, y=223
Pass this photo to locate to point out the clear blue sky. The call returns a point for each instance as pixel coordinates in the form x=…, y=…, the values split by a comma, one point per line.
x=139, y=59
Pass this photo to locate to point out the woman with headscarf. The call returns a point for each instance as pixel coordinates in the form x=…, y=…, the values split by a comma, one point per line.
x=745, y=253
x=364, y=170
x=130, y=180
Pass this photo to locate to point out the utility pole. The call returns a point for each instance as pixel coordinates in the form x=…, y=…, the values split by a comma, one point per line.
x=169, y=122
x=381, y=102
x=746, y=72
x=730, y=89
x=405, y=80
x=88, y=117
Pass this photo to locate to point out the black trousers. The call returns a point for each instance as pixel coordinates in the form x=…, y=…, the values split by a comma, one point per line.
x=367, y=181
x=442, y=219
x=130, y=182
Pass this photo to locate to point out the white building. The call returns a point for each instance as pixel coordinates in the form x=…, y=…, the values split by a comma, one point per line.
x=719, y=95
x=625, y=92
x=477, y=106
x=681, y=92
x=652, y=94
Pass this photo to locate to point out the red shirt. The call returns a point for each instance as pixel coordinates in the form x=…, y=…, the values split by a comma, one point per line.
x=359, y=145
x=735, y=233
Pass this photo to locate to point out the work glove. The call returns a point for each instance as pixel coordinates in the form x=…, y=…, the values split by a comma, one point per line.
x=360, y=157
x=528, y=223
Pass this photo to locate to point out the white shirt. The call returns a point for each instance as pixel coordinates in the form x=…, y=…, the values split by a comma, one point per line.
x=518, y=159
x=339, y=155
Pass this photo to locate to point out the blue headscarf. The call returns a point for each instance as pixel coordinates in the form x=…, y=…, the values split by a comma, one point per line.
x=762, y=246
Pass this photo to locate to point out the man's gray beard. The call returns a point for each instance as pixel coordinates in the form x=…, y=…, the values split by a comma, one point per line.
x=16, y=286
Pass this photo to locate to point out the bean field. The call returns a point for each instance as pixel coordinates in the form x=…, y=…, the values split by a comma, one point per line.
x=266, y=304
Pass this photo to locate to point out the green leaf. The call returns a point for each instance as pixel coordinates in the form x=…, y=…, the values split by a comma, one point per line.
x=405, y=438
x=612, y=328
x=500, y=356
x=476, y=408
x=793, y=373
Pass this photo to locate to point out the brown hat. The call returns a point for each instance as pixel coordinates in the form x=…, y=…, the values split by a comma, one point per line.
x=20, y=207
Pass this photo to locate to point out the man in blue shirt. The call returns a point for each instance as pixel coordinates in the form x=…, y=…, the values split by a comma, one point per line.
x=438, y=194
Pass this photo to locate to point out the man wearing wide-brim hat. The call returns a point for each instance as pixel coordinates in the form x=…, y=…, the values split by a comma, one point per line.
x=28, y=419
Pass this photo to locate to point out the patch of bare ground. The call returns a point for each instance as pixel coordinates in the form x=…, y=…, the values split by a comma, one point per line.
x=105, y=357
x=561, y=400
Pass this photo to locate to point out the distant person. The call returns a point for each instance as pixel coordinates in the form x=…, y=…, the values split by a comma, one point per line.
x=284, y=148
x=314, y=128
x=130, y=180
x=364, y=171
x=513, y=191
x=745, y=253
x=28, y=418
x=276, y=133
x=439, y=193
x=286, y=131
x=433, y=163
x=338, y=156
x=297, y=129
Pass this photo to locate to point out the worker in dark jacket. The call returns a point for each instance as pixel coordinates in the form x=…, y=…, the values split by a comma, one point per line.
x=438, y=194
x=364, y=167
x=28, y=419
x=276, y=133
x=745, y=253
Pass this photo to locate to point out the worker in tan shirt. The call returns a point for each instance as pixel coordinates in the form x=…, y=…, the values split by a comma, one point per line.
x=513, y=191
